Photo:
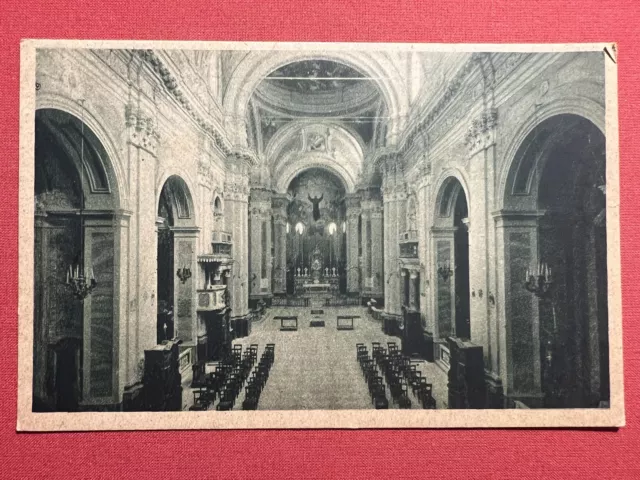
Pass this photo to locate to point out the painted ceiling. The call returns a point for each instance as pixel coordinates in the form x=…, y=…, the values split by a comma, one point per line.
x=311, y=76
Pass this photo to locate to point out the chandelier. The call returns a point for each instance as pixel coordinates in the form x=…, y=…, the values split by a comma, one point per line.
x=79, y=281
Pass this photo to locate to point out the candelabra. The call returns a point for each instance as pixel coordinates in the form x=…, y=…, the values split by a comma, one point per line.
x=445, y=271
x=184, y=274
x=540, y=283
x=77, y=282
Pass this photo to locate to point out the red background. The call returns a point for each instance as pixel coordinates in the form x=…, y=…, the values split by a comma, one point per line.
x=323, y=454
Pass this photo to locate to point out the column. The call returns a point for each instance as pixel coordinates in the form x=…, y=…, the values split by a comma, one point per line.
x=366, y=250
x=99, y=330
x=377, y=250
x=279, y=207
x=353, y=267
x=394, y=196
x=413, y=286
x=518, y=316
x=260, y=243
x=390, y=261
x=184, y=292
x=41, y=300
x=140, y=299
x=236, y=190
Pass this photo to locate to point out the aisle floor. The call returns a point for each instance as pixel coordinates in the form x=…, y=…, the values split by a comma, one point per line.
x=315, y=368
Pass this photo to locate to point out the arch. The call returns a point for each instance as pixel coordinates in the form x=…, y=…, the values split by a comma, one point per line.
x=451, y=182
x=176, y=186
x=256, y=65
x=586, y=108
x=293, y=169
x=282, y=135
x=77, y=194
x=217, y=204
x=113, y=161
x=287, y=158
x=556, y=176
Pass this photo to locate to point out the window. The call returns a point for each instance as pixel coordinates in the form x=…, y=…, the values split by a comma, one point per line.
x=332, y=228
x=299, y=228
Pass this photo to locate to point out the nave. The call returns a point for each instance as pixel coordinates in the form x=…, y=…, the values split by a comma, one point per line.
x=316, y=368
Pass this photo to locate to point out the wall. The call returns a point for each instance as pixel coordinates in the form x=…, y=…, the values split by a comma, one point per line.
x=149, y=133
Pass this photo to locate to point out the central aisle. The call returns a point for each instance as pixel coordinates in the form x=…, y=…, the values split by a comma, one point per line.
x=315, y=368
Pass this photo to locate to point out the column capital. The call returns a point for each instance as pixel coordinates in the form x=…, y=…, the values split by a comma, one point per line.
x=142, y=129
x=185, y=232
x=481, y=132
x=517, y=218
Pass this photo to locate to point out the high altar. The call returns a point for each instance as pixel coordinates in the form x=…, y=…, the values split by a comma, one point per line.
x=316, y=278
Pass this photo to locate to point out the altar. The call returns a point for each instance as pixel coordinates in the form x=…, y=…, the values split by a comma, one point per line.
x=316, y=279
x=305, y=285
x=317, y=287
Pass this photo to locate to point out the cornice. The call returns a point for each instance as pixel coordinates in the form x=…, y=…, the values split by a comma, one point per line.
x=176, y=90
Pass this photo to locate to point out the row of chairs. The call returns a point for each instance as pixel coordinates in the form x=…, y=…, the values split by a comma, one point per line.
x=402, y=374
x=377, y=389
x=223, y=380
x=259, y=378
x=243, y=363
x=387, y=359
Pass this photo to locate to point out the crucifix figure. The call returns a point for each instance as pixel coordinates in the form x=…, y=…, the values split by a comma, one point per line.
x=316, y=209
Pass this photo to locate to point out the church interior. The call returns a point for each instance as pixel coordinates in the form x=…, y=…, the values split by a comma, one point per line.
x=336, y=229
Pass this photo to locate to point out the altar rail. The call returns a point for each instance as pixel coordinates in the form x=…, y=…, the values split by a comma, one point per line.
x=290, y=302
x=342, y=302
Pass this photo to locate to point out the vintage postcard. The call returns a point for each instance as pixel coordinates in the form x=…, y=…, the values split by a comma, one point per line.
x=299, y=235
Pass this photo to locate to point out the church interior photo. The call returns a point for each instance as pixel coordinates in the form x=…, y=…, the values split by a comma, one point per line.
x=262, y=229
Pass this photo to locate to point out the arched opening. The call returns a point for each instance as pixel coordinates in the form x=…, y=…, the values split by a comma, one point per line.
x=175, y=260
x=74, y=261
x=315, y=246
x=451, y=236
x=218, y=214
x=559, y=172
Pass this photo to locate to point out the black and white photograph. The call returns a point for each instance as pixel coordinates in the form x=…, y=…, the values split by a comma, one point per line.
x=253, y=235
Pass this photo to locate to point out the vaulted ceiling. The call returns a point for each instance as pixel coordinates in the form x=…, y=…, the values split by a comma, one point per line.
x=315, y=91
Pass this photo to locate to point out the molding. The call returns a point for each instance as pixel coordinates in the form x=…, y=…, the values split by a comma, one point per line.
x=170, y=83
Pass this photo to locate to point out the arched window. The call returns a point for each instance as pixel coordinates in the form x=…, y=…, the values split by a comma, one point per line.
x=217, y=210
x=332, y=228
x=288, y=227
x=299, y=228
x=344, y=227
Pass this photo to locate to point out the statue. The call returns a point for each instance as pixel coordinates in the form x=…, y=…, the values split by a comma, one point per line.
x=316, y=206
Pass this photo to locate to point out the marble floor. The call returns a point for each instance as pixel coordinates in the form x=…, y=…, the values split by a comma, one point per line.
x=316, y=367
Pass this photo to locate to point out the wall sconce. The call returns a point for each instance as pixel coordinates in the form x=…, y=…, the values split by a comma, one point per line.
x=77, y=282
x=539, y=282
x=445, y=271
x=184, y=274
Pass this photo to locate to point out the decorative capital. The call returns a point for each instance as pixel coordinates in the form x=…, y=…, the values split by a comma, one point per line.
x=142, y=129
x=480, y=134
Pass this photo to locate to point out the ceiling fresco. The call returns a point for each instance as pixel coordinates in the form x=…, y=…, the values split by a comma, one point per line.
x=310, y=76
